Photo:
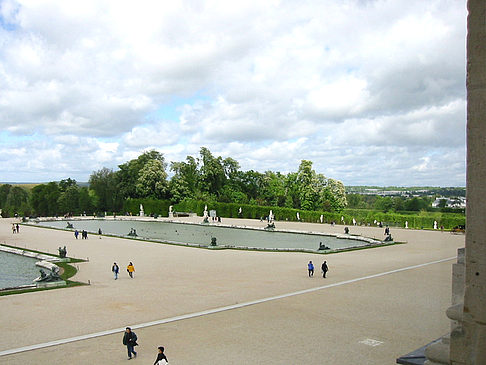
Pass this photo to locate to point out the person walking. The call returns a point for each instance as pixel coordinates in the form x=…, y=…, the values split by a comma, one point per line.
x=310, y=268
x=130, y=269
x=161, y=358
x=17, y=227
x=76, y=234
x=324, y=268
x=115, y=270
x=130, y=341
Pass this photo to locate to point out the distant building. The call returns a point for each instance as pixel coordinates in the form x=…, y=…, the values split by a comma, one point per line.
x=453, y=202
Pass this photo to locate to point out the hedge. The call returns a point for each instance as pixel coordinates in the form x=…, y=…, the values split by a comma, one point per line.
x=362, y=216
x=150, y=206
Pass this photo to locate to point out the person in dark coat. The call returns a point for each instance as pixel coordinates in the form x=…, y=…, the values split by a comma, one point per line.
x=161, y=356
x=130, y=341
x=116, y=269
x=324, y=268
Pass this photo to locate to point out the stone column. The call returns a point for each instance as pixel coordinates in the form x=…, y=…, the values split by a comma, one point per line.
x=468, y=344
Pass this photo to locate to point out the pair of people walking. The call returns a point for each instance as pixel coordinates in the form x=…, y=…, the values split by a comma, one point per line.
x=116, y=270
x=130, y=341
x=324, y=268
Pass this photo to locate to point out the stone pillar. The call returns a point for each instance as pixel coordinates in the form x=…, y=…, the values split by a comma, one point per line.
x=468, y=343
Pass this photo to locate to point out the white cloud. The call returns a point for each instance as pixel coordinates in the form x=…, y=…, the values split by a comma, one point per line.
x=340, y=83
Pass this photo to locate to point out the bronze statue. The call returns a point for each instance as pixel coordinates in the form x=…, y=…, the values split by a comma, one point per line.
x=62, y=252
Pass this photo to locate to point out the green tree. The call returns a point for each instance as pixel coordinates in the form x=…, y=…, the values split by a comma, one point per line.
x=69, y=200
x=292, y=194
x=4, y=190
x=105, y=185
x=334, y=195
x=416, y=204
x=354, y=200
x=86, y=201
x=129, y=172
x=152, y=180
x=273, y=190
x=44, y=199
x=307, y=186
x=17, y=200
x=383, y=203
x=251, y=183
x=64, y=184
x=185, y=180
x=212, y=172
x=398, y=203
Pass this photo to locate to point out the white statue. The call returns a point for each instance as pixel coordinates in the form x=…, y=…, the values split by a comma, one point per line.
x=205, y=213
x=298, y=216
x=322, y=218
x=239, y=211
x=406, y=224
x=435, y=224
x=171, y=213
x=270, y=216
x=142, y=214
x=354, y=222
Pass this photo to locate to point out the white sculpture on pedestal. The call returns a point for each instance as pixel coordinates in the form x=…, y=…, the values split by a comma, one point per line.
x=205, y=213
x=142, y=214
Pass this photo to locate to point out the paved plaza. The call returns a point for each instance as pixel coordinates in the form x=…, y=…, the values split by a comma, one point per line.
x=376, y=304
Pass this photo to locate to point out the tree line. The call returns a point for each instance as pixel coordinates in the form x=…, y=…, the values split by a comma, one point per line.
x=206, y=177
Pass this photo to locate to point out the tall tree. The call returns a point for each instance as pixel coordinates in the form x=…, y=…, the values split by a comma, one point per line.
x=129, y=172
x=64, y=184
x=104, y=183
x=152, y=180
x=69, y=200
x=212, y=173
x=308, y=186
x=44, y=199
x=335, y=194
x=185, y=180
x=17, y=199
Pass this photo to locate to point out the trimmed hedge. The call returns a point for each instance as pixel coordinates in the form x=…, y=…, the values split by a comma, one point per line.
x=362, y=216
x=150, y=206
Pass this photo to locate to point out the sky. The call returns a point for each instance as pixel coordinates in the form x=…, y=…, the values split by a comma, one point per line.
x=372, y=92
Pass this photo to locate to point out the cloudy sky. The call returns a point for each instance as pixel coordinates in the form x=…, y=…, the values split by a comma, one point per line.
x=373, y=92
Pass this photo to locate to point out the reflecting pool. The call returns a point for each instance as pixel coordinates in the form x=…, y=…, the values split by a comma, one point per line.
x=201, y=234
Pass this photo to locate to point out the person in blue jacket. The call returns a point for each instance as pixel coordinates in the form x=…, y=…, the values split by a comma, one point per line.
x=310, y=268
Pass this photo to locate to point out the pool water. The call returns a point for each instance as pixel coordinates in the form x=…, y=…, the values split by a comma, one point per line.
x=16, y=270
x=201, y=234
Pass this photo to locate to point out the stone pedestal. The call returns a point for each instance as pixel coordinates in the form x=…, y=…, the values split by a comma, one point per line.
x=438, y=353
x=51, y=284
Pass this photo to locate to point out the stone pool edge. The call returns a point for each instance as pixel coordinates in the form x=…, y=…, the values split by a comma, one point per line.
x=46, y=262
x=370, y=242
